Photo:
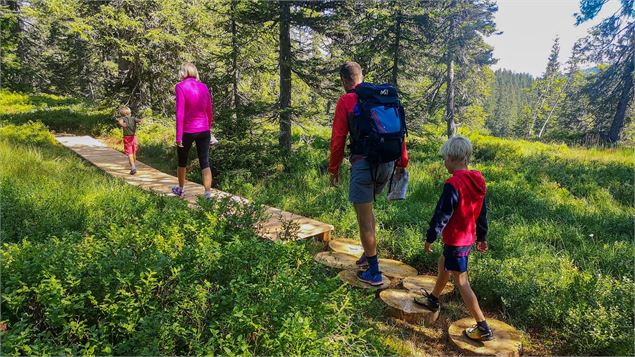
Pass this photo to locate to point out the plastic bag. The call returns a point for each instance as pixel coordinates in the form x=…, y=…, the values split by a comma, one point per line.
x=212, y=141
x=398, y=188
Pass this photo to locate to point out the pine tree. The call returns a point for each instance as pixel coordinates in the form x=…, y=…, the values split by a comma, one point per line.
x=506, y=103
x=570, y=77
x=11, y=32
x=612, y=41
x=315, y=18
x=455, y=29
x=546, y=91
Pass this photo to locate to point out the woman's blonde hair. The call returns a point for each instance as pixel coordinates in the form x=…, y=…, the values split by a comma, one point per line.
x=124, y=111
x=188, y=70
x=458, y=148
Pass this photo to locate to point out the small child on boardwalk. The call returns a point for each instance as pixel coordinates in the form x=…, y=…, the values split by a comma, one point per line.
x=461, y=217
x=128, y=124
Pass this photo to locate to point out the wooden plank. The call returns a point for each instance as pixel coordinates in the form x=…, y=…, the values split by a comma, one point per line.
x=337, y=260
x=507, y=340
x=347, y=246
x=401, y=305
x=277, y=223
x=350, y=276
x=426, y=282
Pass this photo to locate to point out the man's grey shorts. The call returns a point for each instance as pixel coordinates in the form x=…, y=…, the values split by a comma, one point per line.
x=361, y=186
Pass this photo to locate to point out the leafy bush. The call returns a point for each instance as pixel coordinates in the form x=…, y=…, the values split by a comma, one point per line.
x=91, y=265
x=32, y=133
x=560, y=218
x=61, y=114
x=560, y=263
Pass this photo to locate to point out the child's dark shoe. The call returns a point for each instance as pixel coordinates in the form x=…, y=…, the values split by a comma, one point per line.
x=479, y=333
x=133, y=171
x=362, y=262
x=178, y=191
x=428, y=300
x=369, y=277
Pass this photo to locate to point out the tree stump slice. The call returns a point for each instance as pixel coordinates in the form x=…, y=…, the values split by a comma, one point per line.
x=507, y=340
x=396, y=269
x=336, y=260
x=416, y=283
x=401, y=305
x=350, y=276
x=347, y=246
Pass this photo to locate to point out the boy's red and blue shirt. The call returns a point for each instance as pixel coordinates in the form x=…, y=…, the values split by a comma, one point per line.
x=461, y=212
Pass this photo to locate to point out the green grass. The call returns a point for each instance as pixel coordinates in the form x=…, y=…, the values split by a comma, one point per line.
x=91, y=265
x=561, y=227
x=561, y=231
x=61, y=114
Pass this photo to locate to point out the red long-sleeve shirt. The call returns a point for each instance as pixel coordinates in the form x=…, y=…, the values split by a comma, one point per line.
x=344, y=111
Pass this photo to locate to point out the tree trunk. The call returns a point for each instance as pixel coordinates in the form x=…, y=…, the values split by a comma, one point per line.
x=285, y=77
x=395, y=67
x=433, y=98
x=555, y=105
x=508, y=340
x=21, y=50
x=449, y=78
x=544, y=125
x=449, y=91
x=401, y=305
x=618, y=120
x=236, y=97
x=539, y=104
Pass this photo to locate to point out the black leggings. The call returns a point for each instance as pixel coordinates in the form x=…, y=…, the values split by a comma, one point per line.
x=202, y=148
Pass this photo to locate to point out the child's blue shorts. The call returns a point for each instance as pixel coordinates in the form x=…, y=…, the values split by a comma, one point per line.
x=456, y=257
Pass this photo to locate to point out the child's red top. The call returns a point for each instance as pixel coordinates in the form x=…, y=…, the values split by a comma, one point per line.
x=461, y=213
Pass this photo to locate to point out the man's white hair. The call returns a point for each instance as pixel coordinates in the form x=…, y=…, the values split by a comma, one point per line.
x=459, y=148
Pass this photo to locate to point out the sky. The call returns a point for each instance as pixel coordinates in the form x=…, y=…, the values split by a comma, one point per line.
x=529, y=28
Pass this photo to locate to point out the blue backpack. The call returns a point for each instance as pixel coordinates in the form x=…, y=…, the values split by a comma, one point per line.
x=378, y=127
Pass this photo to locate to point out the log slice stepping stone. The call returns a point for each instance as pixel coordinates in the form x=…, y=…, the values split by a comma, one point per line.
x=507, y=340
x=347, y=246
x=396, y=269
x=336, y=260
x=401, y=305
x=350, y=276
x=416, y=283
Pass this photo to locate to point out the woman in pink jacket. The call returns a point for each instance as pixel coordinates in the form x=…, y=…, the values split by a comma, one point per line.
x=194, y=117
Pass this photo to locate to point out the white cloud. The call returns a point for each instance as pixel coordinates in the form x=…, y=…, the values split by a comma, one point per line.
x=529, y=28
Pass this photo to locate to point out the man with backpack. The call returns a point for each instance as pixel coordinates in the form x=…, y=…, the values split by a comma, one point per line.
x=375, y=120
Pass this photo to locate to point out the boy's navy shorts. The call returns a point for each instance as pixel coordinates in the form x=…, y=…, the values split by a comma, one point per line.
x=456, y=257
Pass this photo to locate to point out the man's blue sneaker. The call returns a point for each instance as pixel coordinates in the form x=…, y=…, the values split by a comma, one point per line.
x=369, y=278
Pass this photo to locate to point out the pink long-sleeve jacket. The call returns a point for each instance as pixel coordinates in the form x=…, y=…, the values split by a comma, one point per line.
x=194, y=112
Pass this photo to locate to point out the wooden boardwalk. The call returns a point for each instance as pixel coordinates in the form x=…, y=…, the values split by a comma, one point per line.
x=115, y=163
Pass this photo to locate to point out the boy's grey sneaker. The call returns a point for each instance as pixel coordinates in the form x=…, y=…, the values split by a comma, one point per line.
x=477, y=333
x=208, y=195
x=133, y=171
x=428, y=300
